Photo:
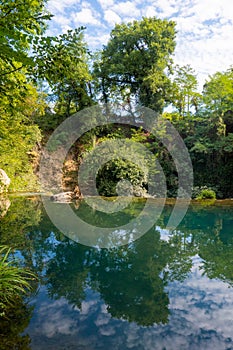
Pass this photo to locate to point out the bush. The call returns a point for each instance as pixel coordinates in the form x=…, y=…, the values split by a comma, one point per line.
x=206, y=193
x=118, y=174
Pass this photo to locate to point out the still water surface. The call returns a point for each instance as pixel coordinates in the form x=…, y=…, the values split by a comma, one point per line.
x=167, y=290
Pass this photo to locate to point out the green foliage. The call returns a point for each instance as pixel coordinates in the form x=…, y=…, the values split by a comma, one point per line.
x=20, y=23
x=127, y=174
x=206, y=193
x=14, y=281
x=134, y=68
x=218, y=92
x=118, y=170
x=207, y=132
x=13, y=326
x=21, y=217
x=184, y=90
x=18, y=133
x=62, y=62
x=133, y=62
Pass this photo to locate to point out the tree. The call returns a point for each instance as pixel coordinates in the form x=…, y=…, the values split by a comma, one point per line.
x=20, y=23
x=18, y=133
x=218, y=92
x=184, y=91
x=133, y=63
x=63, y=63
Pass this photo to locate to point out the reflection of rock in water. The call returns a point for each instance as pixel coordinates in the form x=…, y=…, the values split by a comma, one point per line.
x=66, y=197
x=63, y=197
x=4, y=181
x=4, y=206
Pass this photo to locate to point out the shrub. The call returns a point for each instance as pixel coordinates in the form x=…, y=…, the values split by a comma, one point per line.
x=206, y=193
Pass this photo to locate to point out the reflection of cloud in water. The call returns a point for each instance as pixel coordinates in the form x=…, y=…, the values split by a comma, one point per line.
x=103, y=317
x=53, y=320
x=165, y=234
x=87, y=306
x=107, y=331
x=201, y=318
x=207, y=304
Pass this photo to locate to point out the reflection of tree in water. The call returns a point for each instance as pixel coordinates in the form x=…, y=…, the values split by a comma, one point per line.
x=13, y=325
x=22, y=215
x=210, y=230
x=67, y=272
x=131, y=279
x=217, y=251
x=218, y=260
x=17, y=229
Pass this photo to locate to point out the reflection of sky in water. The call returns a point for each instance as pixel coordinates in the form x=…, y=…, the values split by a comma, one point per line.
x=201, y=318
x=166, y=235
x=130, y=282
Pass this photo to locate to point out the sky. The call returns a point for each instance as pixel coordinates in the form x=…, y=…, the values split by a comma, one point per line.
x=205, y=27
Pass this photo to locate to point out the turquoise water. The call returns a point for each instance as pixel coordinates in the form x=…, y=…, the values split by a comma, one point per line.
x=166, y=290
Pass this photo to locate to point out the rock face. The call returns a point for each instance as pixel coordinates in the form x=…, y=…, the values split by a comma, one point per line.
x=4, y=181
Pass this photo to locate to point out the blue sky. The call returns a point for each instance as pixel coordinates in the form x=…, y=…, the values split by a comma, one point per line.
x=205, y=27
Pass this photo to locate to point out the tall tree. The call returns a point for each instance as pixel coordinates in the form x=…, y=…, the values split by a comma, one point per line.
x=63, y=62
x=184, y=92
x=18, y=133
x=21, y=23
x=218, y=92
x=133, y=63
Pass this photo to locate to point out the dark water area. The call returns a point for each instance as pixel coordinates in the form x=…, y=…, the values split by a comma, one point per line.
x=169, y=289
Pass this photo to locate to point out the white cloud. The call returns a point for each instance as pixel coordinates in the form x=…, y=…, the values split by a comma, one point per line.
x=107, y=331
x=87, y=306
x=63, y=22
x=162, y=8
x=58, y=6
x=52, y=314
x=111, y=17
x=86, y=16
x=97, y=40
x=126, y=8
x=210, y=9
x=204, y=38
x=150, y=11
x=106, y=4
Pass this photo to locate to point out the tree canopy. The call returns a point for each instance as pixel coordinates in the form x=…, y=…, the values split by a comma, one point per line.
x=133, y=63
x=45, y=79
x=20, y=23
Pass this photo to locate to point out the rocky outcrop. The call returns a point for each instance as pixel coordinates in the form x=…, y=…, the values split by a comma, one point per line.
x=63, y=197
x=4, y=181
x=66, y=197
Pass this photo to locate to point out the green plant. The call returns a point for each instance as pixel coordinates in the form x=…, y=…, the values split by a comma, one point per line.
x=14, y=281
x=206, y=193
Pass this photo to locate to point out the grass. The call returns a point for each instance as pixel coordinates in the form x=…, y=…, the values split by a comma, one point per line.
x=14, y=281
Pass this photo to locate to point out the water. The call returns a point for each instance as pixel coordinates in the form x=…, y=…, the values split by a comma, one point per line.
x=167, y=290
